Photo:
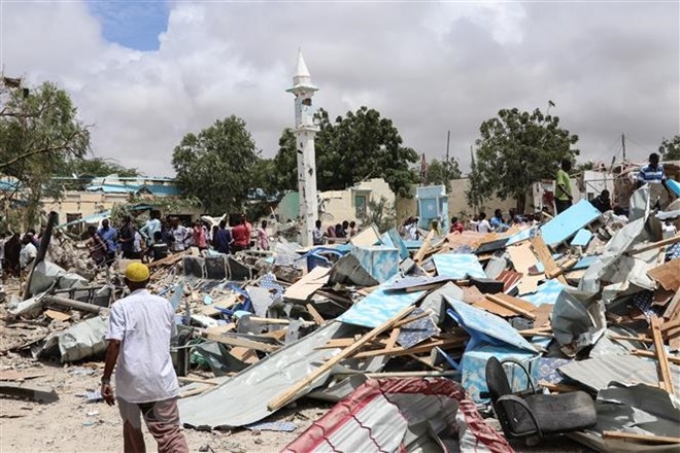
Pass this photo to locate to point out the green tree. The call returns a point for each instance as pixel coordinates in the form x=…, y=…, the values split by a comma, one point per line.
x=380, y=213
x=517, y=149
x=39, y=134
x=440, y=173
x=98, y=166
x=670, y=148
x=359, y=146
x=216, y=165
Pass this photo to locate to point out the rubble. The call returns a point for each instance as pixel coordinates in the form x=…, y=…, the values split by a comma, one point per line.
x=584, y=301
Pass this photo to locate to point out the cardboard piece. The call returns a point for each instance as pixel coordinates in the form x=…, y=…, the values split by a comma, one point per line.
x=308, y=284
x=523, y=259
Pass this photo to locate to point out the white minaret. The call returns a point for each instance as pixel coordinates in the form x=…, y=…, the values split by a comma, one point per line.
x=305, y=130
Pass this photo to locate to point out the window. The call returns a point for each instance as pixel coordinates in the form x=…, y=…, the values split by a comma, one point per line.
x=360, y=205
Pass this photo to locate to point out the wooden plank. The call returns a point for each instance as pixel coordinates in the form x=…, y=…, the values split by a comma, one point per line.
x=651, y=355
x=418, y=257
x=545, y=257
x=290, y=394
x=631, y=338
x=675, y=239
x=167, y=261
x=669, y=325
x=673, y=309
x=392, y=341
x=512, y=303
x=234, y=341
x=654, y=439
x=562, y=268
x=424, y=347
x=315, y=314
x=245, y=354
x=487, y=305
x=666, y=380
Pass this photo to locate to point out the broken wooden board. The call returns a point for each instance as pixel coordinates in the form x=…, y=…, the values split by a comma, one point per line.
x=543, y=313
x=237, y=340
x=57, y=315
x=546, y=259
x=523, y=259
x=424, y=248
x=667, y=275
x=304, y=288
x=518, y=306
x=666, y=381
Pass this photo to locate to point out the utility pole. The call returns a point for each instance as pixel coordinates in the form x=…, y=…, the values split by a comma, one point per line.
x=623, y=146
x=446, y=165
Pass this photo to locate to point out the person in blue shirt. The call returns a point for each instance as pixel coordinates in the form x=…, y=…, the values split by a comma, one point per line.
x=108, y=234
x=497, y=222
x=222, y=241
x=652, y=174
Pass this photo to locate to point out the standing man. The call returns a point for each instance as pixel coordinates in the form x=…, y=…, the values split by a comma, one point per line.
x=222, y=239
x=28, y=252
x=563, y=196
x=127, y=239
x=148, y=231
x=180, y=234
x=240, y=235
x=108, y=234
x=140, y=328
x=653, y=174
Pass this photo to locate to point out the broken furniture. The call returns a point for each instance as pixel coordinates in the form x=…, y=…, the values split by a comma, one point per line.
x=536, y=415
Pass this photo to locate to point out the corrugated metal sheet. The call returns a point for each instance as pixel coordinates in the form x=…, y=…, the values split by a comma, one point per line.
x=400, y=415
x=243, y=399
x=598, y=372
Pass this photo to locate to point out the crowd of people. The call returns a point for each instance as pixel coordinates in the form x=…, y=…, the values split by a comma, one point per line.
x=345, y=230
x=155, y=240
x=158, y=238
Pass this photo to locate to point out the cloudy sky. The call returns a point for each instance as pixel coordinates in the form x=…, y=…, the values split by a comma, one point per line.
x=145, y=73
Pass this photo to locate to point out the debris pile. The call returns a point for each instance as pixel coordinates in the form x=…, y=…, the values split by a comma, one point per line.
x=581, y=313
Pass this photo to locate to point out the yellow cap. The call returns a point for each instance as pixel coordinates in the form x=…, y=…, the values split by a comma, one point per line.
x=137, y=272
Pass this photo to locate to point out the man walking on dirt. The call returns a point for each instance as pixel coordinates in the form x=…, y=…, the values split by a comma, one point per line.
x=140, y=328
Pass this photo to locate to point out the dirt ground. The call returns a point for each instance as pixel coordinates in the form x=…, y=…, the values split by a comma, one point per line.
x=73, y=425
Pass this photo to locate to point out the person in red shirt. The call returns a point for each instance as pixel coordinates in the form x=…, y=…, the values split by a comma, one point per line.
x=456, y=226
x=240, y=235
x=198, y=233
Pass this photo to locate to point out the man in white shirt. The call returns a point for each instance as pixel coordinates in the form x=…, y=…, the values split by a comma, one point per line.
x=151, y=227
x=180, y=234
x=483, y=226
x=28, y=252
x=140, y=328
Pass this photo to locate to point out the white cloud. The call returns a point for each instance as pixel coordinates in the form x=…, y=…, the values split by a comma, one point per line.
x=429, y=67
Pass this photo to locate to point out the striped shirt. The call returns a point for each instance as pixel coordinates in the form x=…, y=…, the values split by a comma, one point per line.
x=651, y=175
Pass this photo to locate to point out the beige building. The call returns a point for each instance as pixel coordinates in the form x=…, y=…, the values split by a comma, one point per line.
x=337, y=206
x=76, y=205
